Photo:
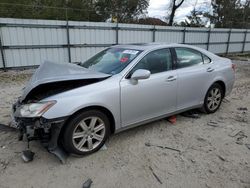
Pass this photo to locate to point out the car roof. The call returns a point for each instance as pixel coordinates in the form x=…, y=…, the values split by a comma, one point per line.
x=153, y=45
x=157, y=45
x=143, y=46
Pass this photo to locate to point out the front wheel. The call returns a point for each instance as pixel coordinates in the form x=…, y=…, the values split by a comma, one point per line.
x=86, y=132
x=213, y=99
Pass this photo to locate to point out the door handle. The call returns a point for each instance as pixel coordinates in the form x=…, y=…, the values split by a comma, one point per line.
x=210, y=69
x=171, y=78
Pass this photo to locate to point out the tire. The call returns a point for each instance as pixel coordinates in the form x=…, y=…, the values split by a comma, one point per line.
x=86, y=132
x=213, y=99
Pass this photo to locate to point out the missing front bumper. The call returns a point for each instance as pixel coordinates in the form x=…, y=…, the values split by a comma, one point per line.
x=44, y=130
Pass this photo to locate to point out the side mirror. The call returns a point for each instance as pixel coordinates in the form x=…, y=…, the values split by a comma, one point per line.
x=140, y=74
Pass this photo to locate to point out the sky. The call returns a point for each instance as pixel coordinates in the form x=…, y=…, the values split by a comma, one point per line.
x=158, y=8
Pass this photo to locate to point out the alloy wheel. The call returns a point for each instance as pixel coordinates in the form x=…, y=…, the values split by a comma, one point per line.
x=88, y=134
x=214, y=99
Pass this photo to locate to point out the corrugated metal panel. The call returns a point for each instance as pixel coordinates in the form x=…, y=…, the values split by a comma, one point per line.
x=1, y=58
x=100, y=34
x=247, y=47
x=236, y=36
x=218, y=48
x=248, y=37
x=33, y=36
x=219, y=37
x=235, y=47
x=29, y=57
x=92, y=36
x=174, y=35
x=82, y=54
x=204, y=46
x=194, y=35
x=1, y=61
x=134, y=36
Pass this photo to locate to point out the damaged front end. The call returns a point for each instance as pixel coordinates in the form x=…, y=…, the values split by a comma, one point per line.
x=39, y=128
x=48, y=80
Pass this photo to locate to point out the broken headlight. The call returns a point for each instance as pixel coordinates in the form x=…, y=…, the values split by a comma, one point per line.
x=36, y=109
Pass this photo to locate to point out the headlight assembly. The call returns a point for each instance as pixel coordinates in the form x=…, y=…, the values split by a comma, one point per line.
x=36, y=109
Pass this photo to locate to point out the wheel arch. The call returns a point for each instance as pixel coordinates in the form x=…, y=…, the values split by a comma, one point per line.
x=223, y=85
x=95, y=107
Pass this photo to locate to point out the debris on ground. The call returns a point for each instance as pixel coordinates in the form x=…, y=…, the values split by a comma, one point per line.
x=191, y=114
x=154, y=174
x=235, y=133
x=242, y=108
x=28, y=156
x=162, y=147
x=172, y=119
x=104, y=147
x=212, y=124
x=6, y=128
x=248, y=146
x=87, y=183
x=221, y=158
x=201, y=139
x=225, y=100
x=60, y=154
x=241, y=117
x=240, y=136
x=4, y=164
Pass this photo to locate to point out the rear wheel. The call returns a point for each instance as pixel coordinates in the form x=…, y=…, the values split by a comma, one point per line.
x=86, y=132
x=213, y=99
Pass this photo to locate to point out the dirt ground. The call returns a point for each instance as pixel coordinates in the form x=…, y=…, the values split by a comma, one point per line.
x=212, y=155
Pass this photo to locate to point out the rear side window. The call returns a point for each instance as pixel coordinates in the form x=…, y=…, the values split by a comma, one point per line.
x=206, y=59
x=188, y=57
x=156, y=61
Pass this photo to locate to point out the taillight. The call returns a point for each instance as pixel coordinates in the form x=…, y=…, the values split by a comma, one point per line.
x=233, y=66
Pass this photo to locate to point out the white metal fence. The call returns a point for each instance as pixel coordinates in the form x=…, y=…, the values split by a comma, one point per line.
x=26, y=42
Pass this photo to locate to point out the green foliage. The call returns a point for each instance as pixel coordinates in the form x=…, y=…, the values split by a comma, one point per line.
x=193, y=20
x=121, y=10
x=79, y=10
x=230, y=13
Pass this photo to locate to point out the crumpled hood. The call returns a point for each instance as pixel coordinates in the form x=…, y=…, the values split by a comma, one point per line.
x=50, y=72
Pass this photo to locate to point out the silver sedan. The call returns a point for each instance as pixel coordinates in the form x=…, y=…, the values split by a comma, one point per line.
x=78, y=106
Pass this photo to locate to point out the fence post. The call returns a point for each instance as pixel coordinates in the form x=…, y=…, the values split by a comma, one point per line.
x=1, y=49
x=244, y=42
x=68, y=37
x=208, y=38
x=184, y=35
x=228, y=40
x=153, y=30
x=117, y=33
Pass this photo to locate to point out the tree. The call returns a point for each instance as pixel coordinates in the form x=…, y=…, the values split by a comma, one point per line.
x=229, y=13
x=174, y=5
x=48, y=9
x=195, y=19
x=121, y=10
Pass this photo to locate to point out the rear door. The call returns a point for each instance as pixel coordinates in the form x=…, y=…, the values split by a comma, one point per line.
x=195, y=72
x=151, y=97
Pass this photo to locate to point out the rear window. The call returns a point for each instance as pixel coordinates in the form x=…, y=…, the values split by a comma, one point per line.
x=111, y=60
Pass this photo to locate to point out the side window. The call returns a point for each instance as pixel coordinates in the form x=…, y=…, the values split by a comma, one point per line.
x=206, y=59
x=188, y=57
x=156, y=61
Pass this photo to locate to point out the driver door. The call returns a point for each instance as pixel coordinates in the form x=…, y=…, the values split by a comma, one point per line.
x=152, y=97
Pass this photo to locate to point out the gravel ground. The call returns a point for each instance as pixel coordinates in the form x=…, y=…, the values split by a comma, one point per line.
x=211, y=155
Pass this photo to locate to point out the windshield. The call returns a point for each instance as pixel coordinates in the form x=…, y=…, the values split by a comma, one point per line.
x=111, y=60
